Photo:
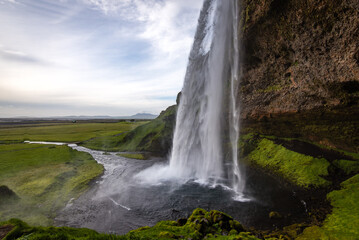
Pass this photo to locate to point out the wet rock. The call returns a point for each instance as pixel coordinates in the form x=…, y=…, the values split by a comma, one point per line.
x=294, y=230
x=182, y=221
x=4, y=230
x=7, y=195
x=275, y=215
x=213, y=222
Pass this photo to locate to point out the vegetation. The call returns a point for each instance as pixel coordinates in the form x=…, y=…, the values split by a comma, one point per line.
x=308, y=171
x=44, y=178
x=348, y=166
x=343, y=222
x=303, y=170
x=200, y=225
x=138, y=156
x=155, y=136
x=64, y=132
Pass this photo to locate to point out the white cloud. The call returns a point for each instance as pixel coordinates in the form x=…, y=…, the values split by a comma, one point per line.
x=111, y=57
x=10, y=1
x=168, y=25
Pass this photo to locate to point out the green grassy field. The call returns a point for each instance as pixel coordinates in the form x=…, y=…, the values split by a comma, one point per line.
x=65, y=132
x=44, y=177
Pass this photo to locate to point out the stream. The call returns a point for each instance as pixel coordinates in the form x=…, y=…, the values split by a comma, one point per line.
x=119, y=202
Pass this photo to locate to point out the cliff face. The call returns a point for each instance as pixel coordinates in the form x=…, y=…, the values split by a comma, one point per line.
x=300, y=55
x=301, y=63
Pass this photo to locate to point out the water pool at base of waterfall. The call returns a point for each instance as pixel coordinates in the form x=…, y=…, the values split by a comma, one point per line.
x=118, y=202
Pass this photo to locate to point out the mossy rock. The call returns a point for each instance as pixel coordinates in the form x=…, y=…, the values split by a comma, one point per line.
x=213, y=222
x=275, y=215
x=7, y=195
x=200, y=225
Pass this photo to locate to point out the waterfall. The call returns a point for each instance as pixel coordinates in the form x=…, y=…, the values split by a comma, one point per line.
x=209, y=93
x=236, y=74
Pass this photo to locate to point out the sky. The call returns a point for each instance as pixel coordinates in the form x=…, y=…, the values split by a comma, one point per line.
x=93, y=57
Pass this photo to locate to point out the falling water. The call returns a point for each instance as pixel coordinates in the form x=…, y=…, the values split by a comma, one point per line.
x=236, y=74
x=209, y=92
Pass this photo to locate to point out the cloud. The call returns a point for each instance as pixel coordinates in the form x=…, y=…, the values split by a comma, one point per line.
x=168, y=25
x=18, y=57
x=104, y=57
x=8, y=1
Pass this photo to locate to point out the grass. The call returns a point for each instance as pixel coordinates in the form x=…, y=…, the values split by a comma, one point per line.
x=74, y=132
x=343, y=222
x=303, y=170
x=154, y=136
x=200, y=225
x=138, y=156
x=126, y=142
x=44, y=177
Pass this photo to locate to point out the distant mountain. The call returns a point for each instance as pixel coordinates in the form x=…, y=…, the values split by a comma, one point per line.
x=136, y=116
x=143, y=116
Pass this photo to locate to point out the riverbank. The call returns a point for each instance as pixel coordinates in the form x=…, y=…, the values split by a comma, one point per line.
x=43, y=178
x=39, y=180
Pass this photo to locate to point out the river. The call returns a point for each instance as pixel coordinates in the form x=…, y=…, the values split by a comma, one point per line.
x=119, y=201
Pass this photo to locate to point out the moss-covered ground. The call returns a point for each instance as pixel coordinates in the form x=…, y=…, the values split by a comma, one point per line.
x=200, y=225
x=154, y=136
x=138, y=156
x=343, y=222
x=44, y=178
x=303, y=170
x=64, y=132
x=309, y=172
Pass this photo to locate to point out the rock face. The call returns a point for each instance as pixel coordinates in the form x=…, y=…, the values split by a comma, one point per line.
x=300, y=55
x=301, y=58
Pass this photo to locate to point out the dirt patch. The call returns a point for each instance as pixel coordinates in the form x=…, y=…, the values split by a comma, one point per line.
x=4, y=230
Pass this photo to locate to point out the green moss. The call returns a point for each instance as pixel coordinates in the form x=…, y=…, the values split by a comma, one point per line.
x=247, y=143
x=348, y=166
x=138, y=156
x=155, y=136
x=22, y=231
x=303, y=170
x=45, y=178
x=343, y=222
x=272, y=88
x=200, y=225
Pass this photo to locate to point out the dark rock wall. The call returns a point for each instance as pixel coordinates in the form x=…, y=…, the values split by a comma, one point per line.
x=299, y=55
x=301, y=70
